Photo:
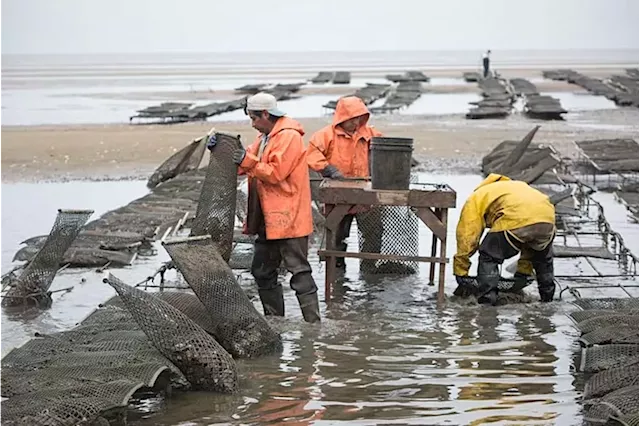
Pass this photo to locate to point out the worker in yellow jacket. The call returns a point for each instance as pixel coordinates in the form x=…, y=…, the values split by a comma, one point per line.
x=520, y=219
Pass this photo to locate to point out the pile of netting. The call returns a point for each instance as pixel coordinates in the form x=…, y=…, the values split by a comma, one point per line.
x=609, y=359
x=139, y=342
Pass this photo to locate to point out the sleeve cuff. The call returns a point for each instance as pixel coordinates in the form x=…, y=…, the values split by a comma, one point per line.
x=249, y=161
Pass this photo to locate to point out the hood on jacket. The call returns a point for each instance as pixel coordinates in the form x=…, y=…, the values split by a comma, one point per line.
x=348, y=108
x=286, y=123
x=492, y=178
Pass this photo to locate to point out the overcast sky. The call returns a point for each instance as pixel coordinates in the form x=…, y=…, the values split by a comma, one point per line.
x=119, y=26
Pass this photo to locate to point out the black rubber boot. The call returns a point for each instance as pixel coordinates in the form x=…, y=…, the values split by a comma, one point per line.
x=309, y=306
x=340, y=264
x=272, y=301
x=520, y=281
x=488, y=280
x=546, y=287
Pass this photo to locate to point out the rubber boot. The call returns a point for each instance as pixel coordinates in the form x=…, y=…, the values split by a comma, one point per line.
x=340, y=264
x=546, y=287
x=309, y=306
x=520, y=281
x=272, y=301
x=488, y=280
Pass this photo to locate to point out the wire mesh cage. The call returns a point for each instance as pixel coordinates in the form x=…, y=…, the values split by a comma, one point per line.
x=215, y=215
x=36, y=278
x=197, y=354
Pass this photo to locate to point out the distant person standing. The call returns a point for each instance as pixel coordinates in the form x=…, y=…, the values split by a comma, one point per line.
x=485, y=63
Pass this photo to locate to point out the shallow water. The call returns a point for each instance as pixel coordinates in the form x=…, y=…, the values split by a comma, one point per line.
x=384, y=353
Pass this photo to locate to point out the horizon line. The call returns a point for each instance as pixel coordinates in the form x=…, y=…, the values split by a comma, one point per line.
x=493, y=50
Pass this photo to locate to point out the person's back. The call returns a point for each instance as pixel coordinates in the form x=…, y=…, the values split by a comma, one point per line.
x=511, y=204
x=520, y=219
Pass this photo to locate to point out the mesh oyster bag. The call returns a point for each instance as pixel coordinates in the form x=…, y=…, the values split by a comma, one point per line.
x=610, y=303
x=610, y=380
x=579, y=316
x=188, y=158
x=389, y=230
x=619, y=404
x=611, y=335
x=215, y=215
x=599, y=358
x=37, y=276
x=624, y=420
x=201, y=359
x=597, y=323
x=191, y=306
x=71, y=406
x=238, y=326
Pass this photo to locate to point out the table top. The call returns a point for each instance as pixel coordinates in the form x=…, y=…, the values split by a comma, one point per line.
x=365, y=185
x=353, y=192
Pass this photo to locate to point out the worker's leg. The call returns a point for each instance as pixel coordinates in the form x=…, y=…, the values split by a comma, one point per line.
x=537, y=247
x=494, y=249
x=264, y=268
x=524, y=270
x=294, y=253
x=543, y=265
x=344, y=229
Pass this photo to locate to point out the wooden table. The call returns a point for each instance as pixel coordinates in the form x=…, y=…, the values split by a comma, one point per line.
x=430, y=202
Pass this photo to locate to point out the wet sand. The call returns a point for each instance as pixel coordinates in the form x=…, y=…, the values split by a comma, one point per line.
x=446, y=143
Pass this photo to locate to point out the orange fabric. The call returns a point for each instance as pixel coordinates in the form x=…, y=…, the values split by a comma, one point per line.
x=332, y=145
x=283, y=180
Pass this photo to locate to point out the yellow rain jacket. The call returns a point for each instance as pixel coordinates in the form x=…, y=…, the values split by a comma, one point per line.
x=500, y=204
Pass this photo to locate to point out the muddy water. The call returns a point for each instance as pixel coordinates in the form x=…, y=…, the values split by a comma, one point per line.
x=384, y=352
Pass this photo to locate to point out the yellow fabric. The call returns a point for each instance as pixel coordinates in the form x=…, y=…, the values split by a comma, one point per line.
x=500, y=204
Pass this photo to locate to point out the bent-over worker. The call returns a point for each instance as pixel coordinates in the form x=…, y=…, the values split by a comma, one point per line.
x=341, y=150
x=520, y=219
x=279, y=206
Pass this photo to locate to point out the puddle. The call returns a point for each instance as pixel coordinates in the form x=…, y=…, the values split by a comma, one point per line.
x=581, y=101
x=384, y=352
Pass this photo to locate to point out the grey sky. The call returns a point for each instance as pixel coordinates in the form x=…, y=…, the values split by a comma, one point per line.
x=119, y=26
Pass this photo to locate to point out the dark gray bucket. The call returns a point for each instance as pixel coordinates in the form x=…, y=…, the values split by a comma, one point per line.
x=391, y=163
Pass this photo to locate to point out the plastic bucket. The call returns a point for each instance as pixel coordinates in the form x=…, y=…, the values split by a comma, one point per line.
x=391, y=163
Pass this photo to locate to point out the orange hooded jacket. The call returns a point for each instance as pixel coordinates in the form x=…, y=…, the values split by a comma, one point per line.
x=332, y=145
x=282, y=180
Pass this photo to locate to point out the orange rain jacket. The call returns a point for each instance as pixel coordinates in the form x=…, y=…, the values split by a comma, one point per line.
x=332, y=145
x=282, y=181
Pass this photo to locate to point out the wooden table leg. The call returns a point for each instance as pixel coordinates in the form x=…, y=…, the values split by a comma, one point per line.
x=434, y=247
x=443, y=213
x=330, y=266
x=334, y=215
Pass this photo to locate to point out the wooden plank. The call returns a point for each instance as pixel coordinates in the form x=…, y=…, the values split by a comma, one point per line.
x=413, y=198
x=378, y=256
x=432, y=221
x=444, y=213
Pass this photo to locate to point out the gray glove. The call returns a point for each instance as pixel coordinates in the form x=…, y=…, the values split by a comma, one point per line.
x=238, y=155
x=331, y=172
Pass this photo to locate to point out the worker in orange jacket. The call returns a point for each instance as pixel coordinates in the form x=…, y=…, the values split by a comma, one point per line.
x=279, y=206
x=341, y=150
